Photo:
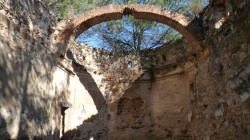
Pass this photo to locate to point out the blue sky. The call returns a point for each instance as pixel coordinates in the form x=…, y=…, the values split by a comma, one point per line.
x=94, y=40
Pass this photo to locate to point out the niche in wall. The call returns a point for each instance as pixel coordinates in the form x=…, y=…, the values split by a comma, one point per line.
x=130, y=113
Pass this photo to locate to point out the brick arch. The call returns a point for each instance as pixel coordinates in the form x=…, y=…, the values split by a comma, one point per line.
x=139, y=11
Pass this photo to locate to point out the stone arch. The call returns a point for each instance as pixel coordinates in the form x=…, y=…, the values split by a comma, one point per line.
x=139, y=11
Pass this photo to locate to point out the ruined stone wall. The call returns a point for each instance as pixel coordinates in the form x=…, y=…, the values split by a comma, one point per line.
x=152, y=108
x=165, y=93
x=138, y=97
x=210, y=103
x=171, y=101
x=32, y=84
x=119, y=67
x=27, y=102
x=118, y=61
x=221, y=106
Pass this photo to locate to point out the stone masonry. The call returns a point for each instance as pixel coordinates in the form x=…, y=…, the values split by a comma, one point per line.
x=52, y=87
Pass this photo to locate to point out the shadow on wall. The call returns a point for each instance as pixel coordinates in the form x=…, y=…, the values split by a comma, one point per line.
x=3, y=131
x=24, y=103
x=96, y=126
x=28, y=98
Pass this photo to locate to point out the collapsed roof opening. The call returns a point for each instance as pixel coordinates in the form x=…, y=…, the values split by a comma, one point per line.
x=128, y=34
x=140, y=11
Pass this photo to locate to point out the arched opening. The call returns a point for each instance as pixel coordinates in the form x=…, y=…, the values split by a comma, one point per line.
x=167, y=89
x=139, y=11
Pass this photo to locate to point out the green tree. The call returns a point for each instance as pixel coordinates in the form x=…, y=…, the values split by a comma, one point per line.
x=128, y=33
x=134, y=34
x=67, y=8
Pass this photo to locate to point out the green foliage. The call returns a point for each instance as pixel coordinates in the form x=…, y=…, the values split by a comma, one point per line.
x=194, y=7
x=67, y=8
x=133, y=34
